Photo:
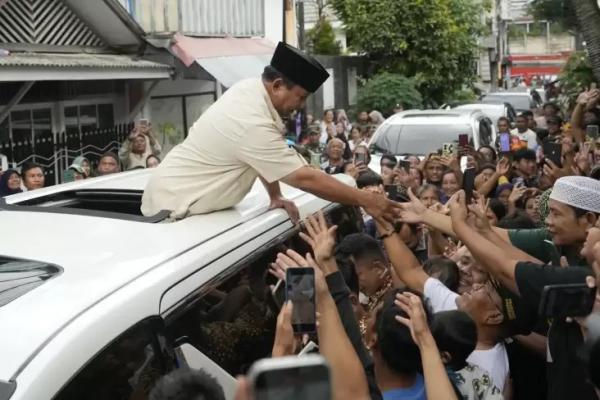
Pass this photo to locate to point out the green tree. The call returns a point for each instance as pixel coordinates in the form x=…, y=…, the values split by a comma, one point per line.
x=321, y=39
x=383, y=91
x=433, y=41
x=557, y=11
x=588, y=23
x=575, y=77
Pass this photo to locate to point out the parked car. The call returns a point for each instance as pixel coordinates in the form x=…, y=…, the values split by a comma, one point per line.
x=521, y=101
x=98, y=301
x=493, y=111
x=420, y=132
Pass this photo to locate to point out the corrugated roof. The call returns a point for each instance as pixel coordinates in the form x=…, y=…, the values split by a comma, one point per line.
x=78, y=60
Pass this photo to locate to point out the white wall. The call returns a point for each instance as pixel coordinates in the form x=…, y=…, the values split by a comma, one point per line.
x=274, y=20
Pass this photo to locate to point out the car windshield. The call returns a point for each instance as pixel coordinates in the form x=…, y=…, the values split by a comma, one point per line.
x=18, y=277
x=417, y=139
x=518, y=102
x=493, y=112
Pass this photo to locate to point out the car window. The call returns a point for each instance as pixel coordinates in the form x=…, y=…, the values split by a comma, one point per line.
x=127, y=369
x=18, y=277
x=518, y=102
x=233, y=320
x=485, y=132
x=418, y=139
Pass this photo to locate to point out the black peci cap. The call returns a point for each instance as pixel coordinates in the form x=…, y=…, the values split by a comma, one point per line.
x=302, y=69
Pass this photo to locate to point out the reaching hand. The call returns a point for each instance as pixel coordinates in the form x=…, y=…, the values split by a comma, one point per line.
x=319, y=237
x=293, y=260
x=503, y=167
x=288, y=206
x=582, y=158
x=517, y=193
x=379, y=206
x=479, y=210
x=285, y=341
x=458, y=209
x=412, y=212
x=553, y=171
x=417, y=321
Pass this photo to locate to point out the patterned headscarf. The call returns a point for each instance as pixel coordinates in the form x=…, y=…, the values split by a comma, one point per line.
x=543, y=209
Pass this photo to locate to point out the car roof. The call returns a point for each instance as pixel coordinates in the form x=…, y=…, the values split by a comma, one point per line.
x=480, y=106
x=508, y=94
x=432, y=117
x=100, y=255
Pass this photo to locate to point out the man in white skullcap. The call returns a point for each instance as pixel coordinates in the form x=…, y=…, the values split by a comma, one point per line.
x=574, y=208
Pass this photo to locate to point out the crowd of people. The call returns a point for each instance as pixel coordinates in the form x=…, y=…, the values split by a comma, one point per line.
x=139, y=150
x=443, y=301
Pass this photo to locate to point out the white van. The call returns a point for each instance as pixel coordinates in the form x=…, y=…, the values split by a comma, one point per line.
x=98, y=302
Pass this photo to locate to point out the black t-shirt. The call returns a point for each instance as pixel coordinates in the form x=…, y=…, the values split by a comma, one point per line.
x=565, y=371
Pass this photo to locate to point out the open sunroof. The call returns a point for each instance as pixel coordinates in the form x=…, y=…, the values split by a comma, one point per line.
x=105, y=203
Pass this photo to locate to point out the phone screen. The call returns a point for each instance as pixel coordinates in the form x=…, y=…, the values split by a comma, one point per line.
x=469, y=183
x=553, y=152
x=302, y=382
x=405, y=165
x=567, y=300
x=360, y=157
x=301, y=292
x=505, y=143
x=592, y=131
x=463, y=140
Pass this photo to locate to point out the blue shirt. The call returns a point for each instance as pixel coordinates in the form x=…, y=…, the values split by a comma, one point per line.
x=415, y=392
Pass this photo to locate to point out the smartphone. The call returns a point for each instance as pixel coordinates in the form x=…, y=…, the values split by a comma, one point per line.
x=298, y=378
x=405, y=165
x=553, y=152
x=315, y=159
x=505, y=143
x=463, y=140
x=469, y=183
x=360, y=157
x=448, y=149
x=592, y=131
x=300, y=284
x=567, y=300
x=391, y=191
x=144, y=122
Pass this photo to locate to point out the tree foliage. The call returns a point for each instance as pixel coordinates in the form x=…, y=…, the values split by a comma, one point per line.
x=575, y=77
x=321, y=39
x=558, y=11
x=383, y=91
x=432, y=41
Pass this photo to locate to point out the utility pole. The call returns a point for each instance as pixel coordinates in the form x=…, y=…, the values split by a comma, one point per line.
x=300, y=19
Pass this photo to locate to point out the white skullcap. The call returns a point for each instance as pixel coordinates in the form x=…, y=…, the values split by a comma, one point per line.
x=578, y=191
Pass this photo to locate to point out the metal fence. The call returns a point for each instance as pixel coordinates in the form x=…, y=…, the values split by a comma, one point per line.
x=56, y=151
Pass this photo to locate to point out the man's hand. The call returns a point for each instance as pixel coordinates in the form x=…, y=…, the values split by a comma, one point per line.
x=288, y=206
x=412, y=212
x=458, y=209
x=379, y=206
x=285, y=341
x=518, y=192
x=479, y=210
x=319, y=237
x=417, y=322
x=503, y=167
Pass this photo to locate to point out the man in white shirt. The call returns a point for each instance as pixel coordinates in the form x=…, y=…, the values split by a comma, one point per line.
x=240, y=138
x=492, y=313
x=524, y=133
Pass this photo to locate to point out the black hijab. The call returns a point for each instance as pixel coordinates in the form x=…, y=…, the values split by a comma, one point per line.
x=4, y=189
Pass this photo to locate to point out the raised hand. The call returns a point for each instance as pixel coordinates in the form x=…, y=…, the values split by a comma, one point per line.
x=417, y=321
x=320, y=237
x=412, y=212
x=458, y=209
x=285, y=341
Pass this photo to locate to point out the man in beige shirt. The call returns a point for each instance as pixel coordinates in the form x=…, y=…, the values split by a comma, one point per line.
x=240, y=138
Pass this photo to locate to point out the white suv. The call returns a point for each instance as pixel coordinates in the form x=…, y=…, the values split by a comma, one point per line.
x=97, y=301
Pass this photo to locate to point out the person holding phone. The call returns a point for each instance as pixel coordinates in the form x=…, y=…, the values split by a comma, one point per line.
x=239, y=139
x=523, y=132
x=566, y=374
x=140, y=144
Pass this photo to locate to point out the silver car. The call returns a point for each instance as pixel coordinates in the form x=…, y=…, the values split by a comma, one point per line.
x=494, y=111
x=420, y=132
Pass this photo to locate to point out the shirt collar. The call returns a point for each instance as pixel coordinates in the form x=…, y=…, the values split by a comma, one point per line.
x=272, y=110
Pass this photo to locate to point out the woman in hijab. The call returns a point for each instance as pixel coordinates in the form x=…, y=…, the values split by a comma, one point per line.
x=84, y=164
x=10, y=183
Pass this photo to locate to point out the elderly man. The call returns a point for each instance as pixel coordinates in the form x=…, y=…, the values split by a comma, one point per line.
x=239, y=138
x=335, y=160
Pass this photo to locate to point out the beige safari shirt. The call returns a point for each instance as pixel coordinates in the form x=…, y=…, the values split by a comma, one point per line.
x=233, y=142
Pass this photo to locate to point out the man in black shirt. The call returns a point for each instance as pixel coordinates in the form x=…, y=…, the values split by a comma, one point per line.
x=566, y=375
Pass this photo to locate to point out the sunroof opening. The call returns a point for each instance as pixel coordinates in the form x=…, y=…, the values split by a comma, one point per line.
x=107, y=203
x=18, y=277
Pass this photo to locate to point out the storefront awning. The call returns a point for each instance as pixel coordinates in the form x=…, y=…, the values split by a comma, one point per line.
x=78, y=66
x=228, y=60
